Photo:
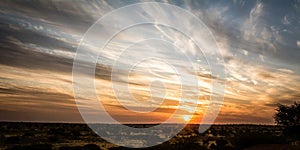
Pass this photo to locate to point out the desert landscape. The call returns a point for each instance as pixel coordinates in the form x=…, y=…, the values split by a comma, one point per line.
x=149, y=74
x=66, y=136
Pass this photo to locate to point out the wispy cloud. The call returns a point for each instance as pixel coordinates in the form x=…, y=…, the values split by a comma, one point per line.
x=38, y=43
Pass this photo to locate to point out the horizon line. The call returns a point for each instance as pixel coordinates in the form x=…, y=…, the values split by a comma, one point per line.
x=53, y=122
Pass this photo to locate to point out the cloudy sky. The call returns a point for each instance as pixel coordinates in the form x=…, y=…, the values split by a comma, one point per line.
x=259, y=42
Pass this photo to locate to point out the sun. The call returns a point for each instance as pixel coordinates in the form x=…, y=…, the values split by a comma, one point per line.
x=186, y=118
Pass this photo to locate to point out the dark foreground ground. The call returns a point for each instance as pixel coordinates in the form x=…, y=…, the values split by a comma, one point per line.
x=61, y=136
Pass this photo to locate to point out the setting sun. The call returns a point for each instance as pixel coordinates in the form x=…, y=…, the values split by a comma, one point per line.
x=187, y=118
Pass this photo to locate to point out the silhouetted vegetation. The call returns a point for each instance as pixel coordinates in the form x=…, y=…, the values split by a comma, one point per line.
x=258, y=138
x=289, y=117
x=32, y=147
x=85, y=147
x=60, y=136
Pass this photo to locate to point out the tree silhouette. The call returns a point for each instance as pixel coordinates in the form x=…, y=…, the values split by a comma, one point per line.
x=289, y=117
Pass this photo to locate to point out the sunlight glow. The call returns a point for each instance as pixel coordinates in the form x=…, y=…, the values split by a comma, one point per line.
x=187, y=118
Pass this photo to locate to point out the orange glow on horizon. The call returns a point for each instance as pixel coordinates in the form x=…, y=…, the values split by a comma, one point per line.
x=187, y=118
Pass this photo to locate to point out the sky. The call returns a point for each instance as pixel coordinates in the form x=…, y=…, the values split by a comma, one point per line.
x=259, y=42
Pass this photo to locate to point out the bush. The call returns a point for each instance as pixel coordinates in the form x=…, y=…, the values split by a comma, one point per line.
x=91, y=147
x=53, y=139
x=248, y=140
x=32, y=147
x=289, y=117
x=85, y=147
x=12, y=140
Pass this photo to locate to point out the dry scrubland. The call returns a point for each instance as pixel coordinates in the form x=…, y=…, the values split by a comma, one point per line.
x=60, y=136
